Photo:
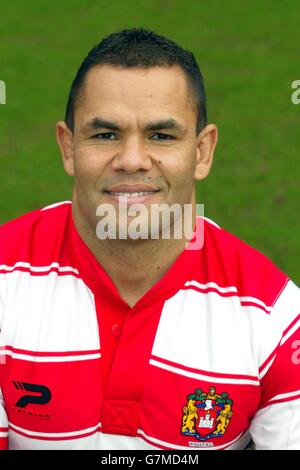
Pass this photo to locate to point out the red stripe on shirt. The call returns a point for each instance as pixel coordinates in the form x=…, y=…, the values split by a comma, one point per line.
x=50, y=353
x=40, y=273
x=281, y=400
x=202, y=372
x=49, y=438
x=206, y=290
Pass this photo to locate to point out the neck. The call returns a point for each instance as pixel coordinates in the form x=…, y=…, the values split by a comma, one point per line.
x=127, y=261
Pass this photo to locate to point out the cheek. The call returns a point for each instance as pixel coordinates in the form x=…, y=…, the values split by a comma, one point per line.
x=87, y=165
x=178, y=168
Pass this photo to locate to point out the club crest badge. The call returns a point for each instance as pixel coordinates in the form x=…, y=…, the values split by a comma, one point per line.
x=206, y=415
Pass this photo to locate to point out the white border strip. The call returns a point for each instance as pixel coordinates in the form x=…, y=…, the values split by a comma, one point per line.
x=230, y=289
x=210, y=221
x=38, y=269
x=199, y=376
x=32, y=358
x=267, y=367
x=256, y=301
x=285, y=395
x=54, y=434
x=178, y=447
x=56, y=204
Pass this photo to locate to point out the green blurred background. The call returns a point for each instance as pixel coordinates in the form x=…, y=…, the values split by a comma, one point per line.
x=249, y=55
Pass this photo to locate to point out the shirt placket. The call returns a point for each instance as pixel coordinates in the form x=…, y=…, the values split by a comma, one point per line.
x=121, y=408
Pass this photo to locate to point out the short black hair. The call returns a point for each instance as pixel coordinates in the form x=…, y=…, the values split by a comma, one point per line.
x=139, y=47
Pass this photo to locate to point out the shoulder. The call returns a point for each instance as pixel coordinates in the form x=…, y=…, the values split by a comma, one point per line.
x=267, y=298
x=233, y=263
x=33, y=233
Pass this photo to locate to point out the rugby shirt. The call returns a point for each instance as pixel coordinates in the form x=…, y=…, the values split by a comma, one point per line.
x=207, y=359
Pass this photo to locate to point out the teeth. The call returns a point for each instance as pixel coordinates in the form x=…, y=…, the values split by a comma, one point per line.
x=136, y=194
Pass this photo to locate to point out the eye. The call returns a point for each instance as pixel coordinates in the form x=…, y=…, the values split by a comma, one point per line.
x=105, y=136
x=160, y=136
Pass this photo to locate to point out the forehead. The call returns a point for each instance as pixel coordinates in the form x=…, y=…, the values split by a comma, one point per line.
x=109, y=88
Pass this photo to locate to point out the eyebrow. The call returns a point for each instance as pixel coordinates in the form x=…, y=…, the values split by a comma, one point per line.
x=99, y=123
x=165, y=124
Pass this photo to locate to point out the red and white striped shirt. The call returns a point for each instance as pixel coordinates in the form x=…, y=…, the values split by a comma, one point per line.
x=206, y=359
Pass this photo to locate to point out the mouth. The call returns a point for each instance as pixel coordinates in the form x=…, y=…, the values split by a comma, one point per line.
x=131, y=193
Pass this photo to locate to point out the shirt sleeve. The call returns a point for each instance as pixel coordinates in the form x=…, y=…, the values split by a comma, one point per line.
x=3, y=425
x=276, y=425
x=3, y=416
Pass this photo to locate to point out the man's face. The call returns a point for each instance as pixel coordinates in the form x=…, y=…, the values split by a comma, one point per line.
x=134, y=139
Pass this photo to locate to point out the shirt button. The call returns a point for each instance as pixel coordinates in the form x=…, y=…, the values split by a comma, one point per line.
x=116, y=330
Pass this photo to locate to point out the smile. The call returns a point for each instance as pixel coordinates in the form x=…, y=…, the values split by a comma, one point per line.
x=131, y=194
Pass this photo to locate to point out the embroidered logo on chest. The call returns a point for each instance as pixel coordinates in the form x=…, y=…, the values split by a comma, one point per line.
x=206, y=415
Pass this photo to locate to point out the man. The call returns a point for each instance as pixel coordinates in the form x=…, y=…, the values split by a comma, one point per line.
x=113, y=343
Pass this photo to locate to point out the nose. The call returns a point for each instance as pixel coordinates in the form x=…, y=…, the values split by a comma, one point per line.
x=132, y=156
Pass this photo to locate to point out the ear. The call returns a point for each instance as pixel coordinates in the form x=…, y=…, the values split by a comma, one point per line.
x=65, y=141
x=207, y=141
